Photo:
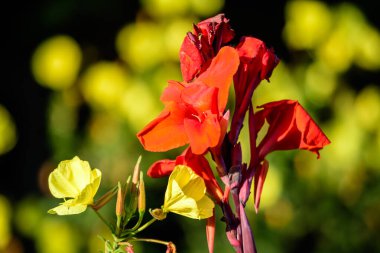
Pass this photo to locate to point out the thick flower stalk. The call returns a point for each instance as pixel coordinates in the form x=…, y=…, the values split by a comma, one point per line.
x=75, y=182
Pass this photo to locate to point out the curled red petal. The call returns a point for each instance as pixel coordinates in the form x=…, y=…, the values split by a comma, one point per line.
x=290, y=127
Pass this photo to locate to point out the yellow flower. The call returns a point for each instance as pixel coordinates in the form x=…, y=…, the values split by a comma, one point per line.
x=75, y=182
x=186, y=195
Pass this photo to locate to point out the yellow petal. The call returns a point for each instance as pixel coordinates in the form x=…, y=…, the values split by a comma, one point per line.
x=68, y=210
x=185, y=206
x=96, y=176
x=60, y=186
x=195, y=188
x=77, y=171
x=186, y=194
x=75, y=181
x=205, y=206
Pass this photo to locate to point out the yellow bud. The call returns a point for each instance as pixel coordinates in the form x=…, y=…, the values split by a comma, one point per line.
x=141, y=201
x=136, y=171
x=119, y=201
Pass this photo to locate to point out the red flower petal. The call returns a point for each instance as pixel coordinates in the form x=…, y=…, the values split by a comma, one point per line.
x=191, y=59
x=260, y=176
x=290, y=127
x=172, y=92
x=202, y=134
x=201, y=98
x=217, y=27
x=220, y=72
x=256, y=63
x=165, y=132
x=200, y=46
x=161, y=168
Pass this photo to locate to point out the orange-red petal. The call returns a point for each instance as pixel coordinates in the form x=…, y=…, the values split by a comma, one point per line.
x=165, y=132
x=220, y=73
x=202, y=134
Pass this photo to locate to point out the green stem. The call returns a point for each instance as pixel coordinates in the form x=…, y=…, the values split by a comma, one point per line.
x=102, y=219
x=139, y=229
x=118, y=223
x=138, y=223
x=146, y=225
x=146, y=240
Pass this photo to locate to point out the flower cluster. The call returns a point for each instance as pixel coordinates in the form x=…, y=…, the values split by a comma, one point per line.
x=75, y=182
x=195, y=115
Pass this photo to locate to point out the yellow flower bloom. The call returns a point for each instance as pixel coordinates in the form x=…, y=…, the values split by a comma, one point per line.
x=186, y=195
x=74, y=181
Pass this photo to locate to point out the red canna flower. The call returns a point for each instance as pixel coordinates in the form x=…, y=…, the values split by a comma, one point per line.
x=290, y=127
x=198, y=163
x=256, y=64
x=200, y=46
x=194, y=112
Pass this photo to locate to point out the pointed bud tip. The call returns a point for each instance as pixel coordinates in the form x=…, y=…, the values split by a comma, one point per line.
x=136, y=171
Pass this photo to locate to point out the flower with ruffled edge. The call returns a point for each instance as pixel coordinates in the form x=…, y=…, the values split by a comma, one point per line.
x=75, y=182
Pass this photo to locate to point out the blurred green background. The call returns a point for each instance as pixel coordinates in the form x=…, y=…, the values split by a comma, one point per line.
x=82, y=77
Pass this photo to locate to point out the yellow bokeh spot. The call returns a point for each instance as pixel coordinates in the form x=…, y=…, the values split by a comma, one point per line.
x=279, y=215
x=206, y=8
x=320, y=83
x=28, y=216
x=161, y=76
x=337, y=52
x=175, y=32
x=165, y=8
x=141, y=45
x=339, y=49
x=56, y=62
x=345, y=151
x=5, y=222
x=307, y=24
x=367, y=107
x=56, y=236
x=368, y=49
x=8, y=136
x=139, y=105
x=103, y=85
x=274, y=90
